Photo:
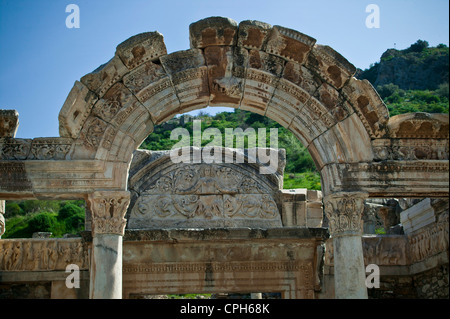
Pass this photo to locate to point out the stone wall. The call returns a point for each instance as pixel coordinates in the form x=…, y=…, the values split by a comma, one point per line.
x=433, y=284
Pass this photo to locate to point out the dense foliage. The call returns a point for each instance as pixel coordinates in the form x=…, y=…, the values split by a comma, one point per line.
x=58, y=217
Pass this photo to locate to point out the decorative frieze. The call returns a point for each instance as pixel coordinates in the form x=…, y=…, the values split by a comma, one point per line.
x=430, y=240
x=205, y=194
x=41, y=255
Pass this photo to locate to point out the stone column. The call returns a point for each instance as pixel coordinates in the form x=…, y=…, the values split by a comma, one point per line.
x=2, y=218
x=108, y=226
x=344, y=212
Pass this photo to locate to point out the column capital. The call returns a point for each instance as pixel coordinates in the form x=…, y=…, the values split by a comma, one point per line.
x=344, y=211
x=108, y=209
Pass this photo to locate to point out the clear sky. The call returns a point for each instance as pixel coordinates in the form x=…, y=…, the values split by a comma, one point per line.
x=41, y=58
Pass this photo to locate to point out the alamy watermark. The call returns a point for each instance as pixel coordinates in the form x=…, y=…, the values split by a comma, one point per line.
x=73, y=279
x=373, y=279
x=256, y=149
x=73, y=19
x=373, y=19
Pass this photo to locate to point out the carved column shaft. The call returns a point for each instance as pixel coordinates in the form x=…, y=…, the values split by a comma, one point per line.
x=2, y=218
x=344, y=212
x=108, y=225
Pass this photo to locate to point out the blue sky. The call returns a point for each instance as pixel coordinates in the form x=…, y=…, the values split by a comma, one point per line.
x=41, y=58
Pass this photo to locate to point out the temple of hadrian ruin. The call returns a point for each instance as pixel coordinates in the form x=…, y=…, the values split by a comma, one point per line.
x=157, y=227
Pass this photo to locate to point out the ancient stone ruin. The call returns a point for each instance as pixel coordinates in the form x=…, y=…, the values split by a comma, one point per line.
x=157, y=227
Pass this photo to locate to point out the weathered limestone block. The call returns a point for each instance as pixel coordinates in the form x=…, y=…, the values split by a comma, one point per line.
x=410, y=149
x=202, y=195
x=76, y=110
x=330, y=65
x=311, y=121
x=120, y=108
x=253, y=34
x=151, y=85
x=144, y=75
x=368, y=105
x=40, y=254
x=226, y=81
x=390, y=250
x=302, y=77
x=141, y=48
x=336, y=105
x=9, y=123
x=293, y=211
x=49, y=148
x=116, y=146
x=15, y=148
x=429, y=241
x=188, y=72
x=262, y=78
x=286, y=102
x=92, y=132
x=101, y=79
x=417, y=216
x=314, y=208
x=337, y=145
x=289, y=44
x=213, y=31
x=389, y=179
x=419, y=125
x=301, y=207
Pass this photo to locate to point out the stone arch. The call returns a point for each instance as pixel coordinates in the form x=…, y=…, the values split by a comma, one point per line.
x=270, y=70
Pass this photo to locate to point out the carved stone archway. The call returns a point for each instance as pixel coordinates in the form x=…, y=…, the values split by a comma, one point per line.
x=270, y=70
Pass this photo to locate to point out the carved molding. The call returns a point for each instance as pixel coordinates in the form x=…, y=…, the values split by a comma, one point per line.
x=40, y=255
x=108, y=210
x=410, y=149
x=344, y=212
x=36, y=149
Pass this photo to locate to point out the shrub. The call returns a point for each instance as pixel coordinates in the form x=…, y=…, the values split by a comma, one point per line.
x=69, y=210
x=42, y=222
x=12, y=209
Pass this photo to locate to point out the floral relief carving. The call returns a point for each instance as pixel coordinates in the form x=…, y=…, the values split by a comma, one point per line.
x=204, y=192
x=344, y=212
x=108, y=210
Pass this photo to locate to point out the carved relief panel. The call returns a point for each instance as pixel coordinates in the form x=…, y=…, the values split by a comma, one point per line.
x=203, y=195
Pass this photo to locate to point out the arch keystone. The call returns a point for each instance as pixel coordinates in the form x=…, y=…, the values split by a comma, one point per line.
x=213, y=31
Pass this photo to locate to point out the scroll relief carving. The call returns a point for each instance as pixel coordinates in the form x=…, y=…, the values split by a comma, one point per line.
x=37, y=149
x=205, y=192
x=35, y=255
